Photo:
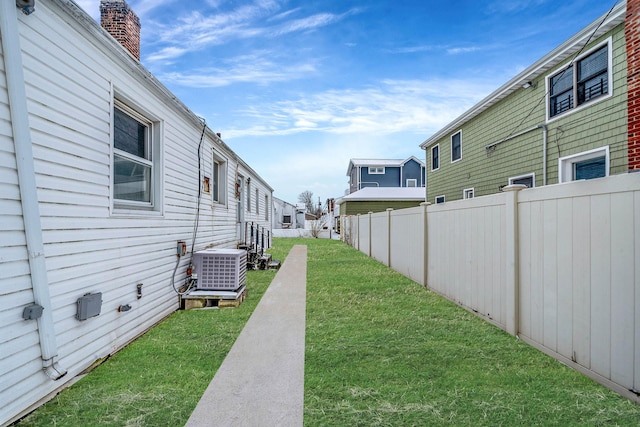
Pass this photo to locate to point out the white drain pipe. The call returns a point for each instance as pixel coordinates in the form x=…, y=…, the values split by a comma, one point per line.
x=27, y=183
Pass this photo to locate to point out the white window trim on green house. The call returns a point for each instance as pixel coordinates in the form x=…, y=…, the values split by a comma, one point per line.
x=518, y=179
x=439, y=199
x=376, y=170
x=574, y=98
x=468, y=193
x=459, y=156
x=148, y=158
x=435, y=160
x=567, y=165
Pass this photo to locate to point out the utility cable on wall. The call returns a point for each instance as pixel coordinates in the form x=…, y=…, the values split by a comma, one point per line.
x=196, y=220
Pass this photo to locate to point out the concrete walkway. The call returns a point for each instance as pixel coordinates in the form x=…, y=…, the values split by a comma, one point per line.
x=261, y=381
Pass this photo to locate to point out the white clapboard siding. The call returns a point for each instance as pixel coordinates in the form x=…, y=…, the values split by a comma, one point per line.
x=73, y=72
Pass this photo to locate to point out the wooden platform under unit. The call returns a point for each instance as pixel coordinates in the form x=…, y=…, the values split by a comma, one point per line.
x=212, y=299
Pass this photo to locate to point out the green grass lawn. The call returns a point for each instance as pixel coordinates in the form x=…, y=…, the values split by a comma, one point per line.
x=380, y=350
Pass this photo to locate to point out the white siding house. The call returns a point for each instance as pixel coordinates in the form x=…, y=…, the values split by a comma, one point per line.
x=285, y=215
x=102, y=172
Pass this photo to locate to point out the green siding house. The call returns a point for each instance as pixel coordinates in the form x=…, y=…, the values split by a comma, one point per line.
x=563, y=118
x=379, y=199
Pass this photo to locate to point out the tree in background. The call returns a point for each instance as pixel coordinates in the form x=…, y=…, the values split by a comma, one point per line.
x=306, y=197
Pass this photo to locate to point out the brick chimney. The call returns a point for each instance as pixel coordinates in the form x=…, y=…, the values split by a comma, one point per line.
x=122, y=23
x=632, y=37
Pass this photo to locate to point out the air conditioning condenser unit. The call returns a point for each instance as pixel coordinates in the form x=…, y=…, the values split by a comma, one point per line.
x=221, y=269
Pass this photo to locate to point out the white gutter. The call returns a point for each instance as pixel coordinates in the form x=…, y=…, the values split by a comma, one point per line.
x=27, y=183
x=544, y=146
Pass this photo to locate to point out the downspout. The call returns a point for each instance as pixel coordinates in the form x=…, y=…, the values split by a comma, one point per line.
x=544, y=154
x=27, y=183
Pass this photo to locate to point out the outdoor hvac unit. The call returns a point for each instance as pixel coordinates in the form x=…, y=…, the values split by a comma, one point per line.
x=221, y=269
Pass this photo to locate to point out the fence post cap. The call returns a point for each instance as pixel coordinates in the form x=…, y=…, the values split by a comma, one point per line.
x=425, y=204
x=389, y=209
x=514, y=187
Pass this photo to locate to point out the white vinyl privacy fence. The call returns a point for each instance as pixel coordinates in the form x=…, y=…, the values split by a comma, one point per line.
x=557, y=266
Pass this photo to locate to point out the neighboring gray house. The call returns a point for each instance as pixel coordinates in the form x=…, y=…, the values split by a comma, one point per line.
x=286, y=215
x=102, y=172
x=364, y=173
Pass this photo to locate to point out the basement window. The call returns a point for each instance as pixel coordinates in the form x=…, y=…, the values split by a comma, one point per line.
x=529, y=180
x=586, y=165
x=439, y=199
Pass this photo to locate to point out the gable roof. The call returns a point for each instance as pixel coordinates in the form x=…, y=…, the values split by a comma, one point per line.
x=560, y=54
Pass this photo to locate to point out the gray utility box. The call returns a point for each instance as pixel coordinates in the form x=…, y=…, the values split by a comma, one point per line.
x=89, y=305
x=221, y=269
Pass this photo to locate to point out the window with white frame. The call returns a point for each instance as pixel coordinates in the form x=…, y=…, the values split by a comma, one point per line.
x=376, y=170
x=587, y=79
x=435, y=157
x=219, y=180
x=412, y=182
x=586, y=165
x=456, y=146
x=467, y=193
x=136, y=175
x=266, y=207
x=439, y=199
x=529, y=180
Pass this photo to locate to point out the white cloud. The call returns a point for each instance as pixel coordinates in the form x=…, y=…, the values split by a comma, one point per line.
x=511, y=6
x=196, y=30
x=140, y=7
x=459, y=50
x=391, y=107
x=261, y=67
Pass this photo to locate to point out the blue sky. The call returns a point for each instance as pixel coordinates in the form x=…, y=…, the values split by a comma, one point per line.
x=297, y=88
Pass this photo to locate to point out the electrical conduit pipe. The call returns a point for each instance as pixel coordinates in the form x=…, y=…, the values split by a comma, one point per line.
x=27, y=183
x=544, y=146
